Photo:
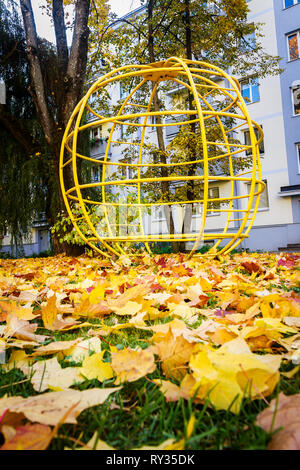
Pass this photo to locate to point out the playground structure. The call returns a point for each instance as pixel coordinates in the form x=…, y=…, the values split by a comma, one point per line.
x=206, y=84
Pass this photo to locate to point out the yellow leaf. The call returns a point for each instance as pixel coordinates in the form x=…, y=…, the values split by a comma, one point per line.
x=227, y=373
x=54, y=347
x=49, y=373
x=19, y=360
x=130, y=365
x=164, y=446
x=130, y=308
x=50, y=408
x=93, y=367
x=49, y=313
x=174, y=353
x=98, y=293
x=170, y=390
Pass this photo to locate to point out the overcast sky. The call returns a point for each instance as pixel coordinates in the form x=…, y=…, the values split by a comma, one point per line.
x=43, y=26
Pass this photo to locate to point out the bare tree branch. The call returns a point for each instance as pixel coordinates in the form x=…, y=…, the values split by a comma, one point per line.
x=78, y=53
x=38, y=89
x=60, y=33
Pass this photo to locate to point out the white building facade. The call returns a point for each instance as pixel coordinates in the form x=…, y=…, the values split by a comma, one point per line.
x=276, y=225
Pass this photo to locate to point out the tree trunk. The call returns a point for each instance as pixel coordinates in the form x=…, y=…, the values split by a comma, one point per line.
x=190, y=191
x=71, y=70
x=165, y=185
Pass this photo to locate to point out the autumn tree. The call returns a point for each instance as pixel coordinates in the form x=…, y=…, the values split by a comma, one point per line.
x=218, y=32
x=55, y=79
x=24, y=154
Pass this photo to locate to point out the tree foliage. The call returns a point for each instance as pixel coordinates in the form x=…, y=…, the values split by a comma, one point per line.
x=24, y=166
x=44, y=82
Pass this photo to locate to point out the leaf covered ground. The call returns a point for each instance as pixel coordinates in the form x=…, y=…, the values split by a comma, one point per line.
x=155, y=352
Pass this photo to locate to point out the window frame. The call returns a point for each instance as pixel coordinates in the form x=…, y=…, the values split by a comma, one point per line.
x=297, y=33
x=267, y=208
x=98, y=134
x=295, y=2
x=127, y=172
x=99, y=168
x=249, y=80
x=157, y=210
x=262, y=144
x=297, y=87
x=196, y=213
x=298, y=155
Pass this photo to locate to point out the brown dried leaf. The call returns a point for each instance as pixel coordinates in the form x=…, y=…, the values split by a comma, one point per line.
x=50, y=408
x=22, y=329
x=175, y=353
x=283, y=412
x=30, y=437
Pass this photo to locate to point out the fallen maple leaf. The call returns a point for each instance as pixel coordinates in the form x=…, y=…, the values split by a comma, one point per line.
x=170, y=390
x=22, y=329
x=175, y=353
x=54, y=347
x=130, y=364
x=229, y=372
x=12, y=308
x=93, y=367
x=83, y=349
x=50, y=408
x=30, y=437
x=166, y=445
x=49, y=313
x=86, y=308
x=49, y=374
x=252, y=266
x=283, y=412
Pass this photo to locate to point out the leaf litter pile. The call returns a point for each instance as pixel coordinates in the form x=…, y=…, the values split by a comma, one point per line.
x=155, y=352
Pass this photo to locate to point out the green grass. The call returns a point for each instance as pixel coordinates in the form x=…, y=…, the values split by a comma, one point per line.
x=138, y=414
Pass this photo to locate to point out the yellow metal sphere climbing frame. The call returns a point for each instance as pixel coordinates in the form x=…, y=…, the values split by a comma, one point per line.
x=201, y=80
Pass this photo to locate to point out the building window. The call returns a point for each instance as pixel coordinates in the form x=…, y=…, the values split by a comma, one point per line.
x=159, y=213
x=250, y=90
x=213, y=193
x=290, y=3
x=96, y=134
x=96, y=173
x=298, y=156
x=264, y=198
x=293, y=45
x=247, y=141
x=127, y=172
x=296, y=99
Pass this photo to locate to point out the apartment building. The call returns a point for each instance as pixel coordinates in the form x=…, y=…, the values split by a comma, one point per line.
x=274, y=103
x=287, y=24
